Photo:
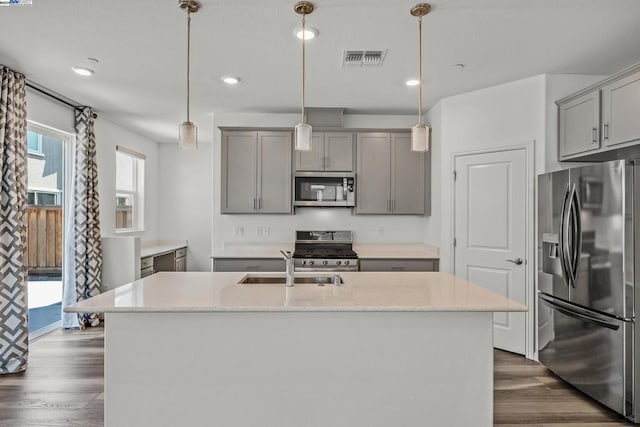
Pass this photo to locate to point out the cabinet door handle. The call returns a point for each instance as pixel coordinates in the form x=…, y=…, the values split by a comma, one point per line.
x=260, y=203
x=393, y=205
x=254, y=204
x=606, y=131
x=594, y=135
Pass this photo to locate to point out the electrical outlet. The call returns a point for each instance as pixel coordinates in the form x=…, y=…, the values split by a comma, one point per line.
x=238, y=231
x=259, y=230
x=267, y=231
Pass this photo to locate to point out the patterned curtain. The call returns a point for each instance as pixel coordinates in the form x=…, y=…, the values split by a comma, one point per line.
x=14, y=335
x=88, y=247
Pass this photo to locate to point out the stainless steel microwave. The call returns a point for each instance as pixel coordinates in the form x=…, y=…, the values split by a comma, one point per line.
x=328, y=189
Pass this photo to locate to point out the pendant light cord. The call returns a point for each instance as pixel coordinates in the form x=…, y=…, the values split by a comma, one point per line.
x=420, y=70
x=304, y=36
x=188, y=56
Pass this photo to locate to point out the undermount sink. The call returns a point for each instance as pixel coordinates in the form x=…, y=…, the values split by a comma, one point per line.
x=252, y=279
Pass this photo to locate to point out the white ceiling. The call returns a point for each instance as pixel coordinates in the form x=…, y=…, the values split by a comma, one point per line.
x=141, y=44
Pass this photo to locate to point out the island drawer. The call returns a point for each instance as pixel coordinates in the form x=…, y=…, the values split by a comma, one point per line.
x=181, y=253
x=398, y=265
x=248, y=264
x=146, y=262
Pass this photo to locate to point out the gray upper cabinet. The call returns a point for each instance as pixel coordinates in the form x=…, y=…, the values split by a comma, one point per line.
x=391, y=179
x=330, y=151
x=600, y=122
x=408, y=177
x=579, y=121
x=274, y=172
x=239, y=172
x=373, y=173
x=256, y=172
x=620, y=117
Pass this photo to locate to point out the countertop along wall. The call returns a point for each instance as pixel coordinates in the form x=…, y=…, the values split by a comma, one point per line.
x=280, y=228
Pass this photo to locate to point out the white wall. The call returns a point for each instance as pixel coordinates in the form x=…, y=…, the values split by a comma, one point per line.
x=48, y=112
x=506, y=114
x=108, y=135
x=281, y=227
x=185, y=185
x=498, y=116
x=433, y=118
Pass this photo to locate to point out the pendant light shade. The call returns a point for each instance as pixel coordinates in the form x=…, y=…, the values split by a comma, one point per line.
x=302, y=129
x=420, y=138
x=188, y=131
x=420, y=132
x=188, y=137
x=303, y=137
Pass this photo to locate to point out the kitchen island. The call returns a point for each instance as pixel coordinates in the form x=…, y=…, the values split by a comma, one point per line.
x=380, y=349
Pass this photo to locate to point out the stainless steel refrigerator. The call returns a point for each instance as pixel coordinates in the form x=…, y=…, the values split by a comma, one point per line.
x=588, y=226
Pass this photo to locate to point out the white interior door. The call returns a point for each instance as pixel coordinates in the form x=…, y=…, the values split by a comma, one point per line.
x=490, y=233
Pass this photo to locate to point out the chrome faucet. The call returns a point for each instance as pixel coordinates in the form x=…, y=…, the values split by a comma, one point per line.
x=288, y=258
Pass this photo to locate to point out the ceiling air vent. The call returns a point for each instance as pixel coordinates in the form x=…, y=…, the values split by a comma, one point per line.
x=363, y=58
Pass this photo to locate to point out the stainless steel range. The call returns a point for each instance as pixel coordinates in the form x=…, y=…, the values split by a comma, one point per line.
x=324, y=250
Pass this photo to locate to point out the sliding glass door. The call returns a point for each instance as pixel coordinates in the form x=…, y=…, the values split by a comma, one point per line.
x=45, y=225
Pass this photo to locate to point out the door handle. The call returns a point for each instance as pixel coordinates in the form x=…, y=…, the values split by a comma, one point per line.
x=517, y=261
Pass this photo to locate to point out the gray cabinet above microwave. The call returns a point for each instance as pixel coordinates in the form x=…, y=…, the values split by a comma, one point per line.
x=330, y=151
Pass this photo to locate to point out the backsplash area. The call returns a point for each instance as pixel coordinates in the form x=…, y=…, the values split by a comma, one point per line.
x=280, y=228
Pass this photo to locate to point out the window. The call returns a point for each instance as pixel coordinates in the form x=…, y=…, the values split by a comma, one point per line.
x=44, y=198
x=34, y=142
x=129, y=190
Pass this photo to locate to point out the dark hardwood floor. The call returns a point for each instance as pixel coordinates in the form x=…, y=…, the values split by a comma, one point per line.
x=63, y=386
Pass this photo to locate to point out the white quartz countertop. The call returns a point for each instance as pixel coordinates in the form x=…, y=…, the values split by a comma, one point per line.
x=364, y=250
x=361, y=291
x=160, y=246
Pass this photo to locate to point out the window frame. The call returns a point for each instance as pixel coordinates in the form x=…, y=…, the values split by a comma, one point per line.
x=137, y=194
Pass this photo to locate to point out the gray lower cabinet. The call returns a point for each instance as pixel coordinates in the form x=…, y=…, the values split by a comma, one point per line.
x=165, y=261
x=248, y=264
x=620, y=107
x=579, y=125
x=399, y=264
x=146, y=266
x=330, y=151
x=256, y=172
x=391, y=179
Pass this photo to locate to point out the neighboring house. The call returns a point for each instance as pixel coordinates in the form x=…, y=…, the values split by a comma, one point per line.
x=45, y=170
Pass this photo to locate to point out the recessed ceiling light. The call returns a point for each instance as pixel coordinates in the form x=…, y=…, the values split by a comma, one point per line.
x=230, y=80
x=412, y=82
x=309, y=33
x=82, y=71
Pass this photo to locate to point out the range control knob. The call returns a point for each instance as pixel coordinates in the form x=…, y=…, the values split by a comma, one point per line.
x=304, y=262
x=338, y=262
x=325, y=262
x=346, y=262
x=311, y=262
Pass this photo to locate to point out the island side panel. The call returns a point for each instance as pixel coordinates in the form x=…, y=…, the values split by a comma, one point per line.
x=299, y=369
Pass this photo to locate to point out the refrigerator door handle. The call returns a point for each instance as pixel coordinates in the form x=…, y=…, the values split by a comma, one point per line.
x=575, y=211
x=563, y=239
x=579, y=314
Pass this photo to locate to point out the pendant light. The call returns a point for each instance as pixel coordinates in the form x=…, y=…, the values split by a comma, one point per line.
x=188, y=135
x=302, y=129
x=420, y=132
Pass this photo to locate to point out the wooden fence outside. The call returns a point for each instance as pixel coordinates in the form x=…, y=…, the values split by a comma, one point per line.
x=44, y=241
